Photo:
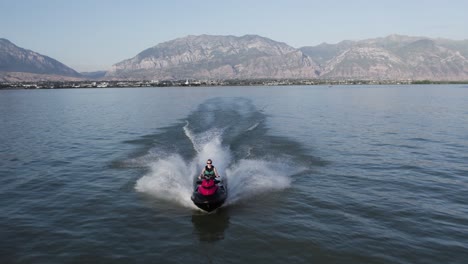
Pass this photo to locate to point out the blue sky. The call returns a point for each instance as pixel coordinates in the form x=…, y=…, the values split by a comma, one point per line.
x=90, y=35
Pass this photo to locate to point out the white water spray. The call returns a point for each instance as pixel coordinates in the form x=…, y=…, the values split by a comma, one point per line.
x=248, y=178
x=171, y=177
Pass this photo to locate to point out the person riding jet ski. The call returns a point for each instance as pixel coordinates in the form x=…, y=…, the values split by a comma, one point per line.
x=210, y=191
x=209, y=171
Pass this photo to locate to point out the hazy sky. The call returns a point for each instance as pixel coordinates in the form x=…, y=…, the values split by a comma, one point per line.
x=90, y=35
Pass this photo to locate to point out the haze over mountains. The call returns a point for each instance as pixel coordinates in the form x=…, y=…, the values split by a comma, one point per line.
x=252, y=57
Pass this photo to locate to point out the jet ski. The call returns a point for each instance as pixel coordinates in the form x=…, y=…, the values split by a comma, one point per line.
x=209, y=194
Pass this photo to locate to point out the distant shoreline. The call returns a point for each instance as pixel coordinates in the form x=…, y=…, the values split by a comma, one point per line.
x=209, y=83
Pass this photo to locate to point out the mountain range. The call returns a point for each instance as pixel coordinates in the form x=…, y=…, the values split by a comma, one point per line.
x=394, y=57
x=217, y=57
x=21, y=64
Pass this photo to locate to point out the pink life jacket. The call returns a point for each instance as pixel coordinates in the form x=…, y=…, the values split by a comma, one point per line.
x=207, y=187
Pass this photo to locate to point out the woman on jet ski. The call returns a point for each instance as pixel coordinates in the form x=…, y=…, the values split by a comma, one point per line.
x=209, y=171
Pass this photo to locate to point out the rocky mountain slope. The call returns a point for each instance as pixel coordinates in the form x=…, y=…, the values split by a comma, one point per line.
x=393, y=57
x=19, y=62
x=254, y=57
x=217, y=57
x=251, y=56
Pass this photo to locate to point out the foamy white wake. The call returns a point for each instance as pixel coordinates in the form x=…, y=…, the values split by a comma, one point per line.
x=171, y=177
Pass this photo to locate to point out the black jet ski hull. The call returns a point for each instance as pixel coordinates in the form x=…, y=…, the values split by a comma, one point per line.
x=211, y=202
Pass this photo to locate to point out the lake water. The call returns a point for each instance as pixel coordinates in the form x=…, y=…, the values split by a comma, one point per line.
x=317, y=174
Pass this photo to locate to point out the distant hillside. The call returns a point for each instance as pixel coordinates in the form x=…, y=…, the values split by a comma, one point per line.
x=93, y=75
x=393, y=57
x=34, y=77
x=217, y=57
x=254, y=57
x=206, y=57
x=14, y=59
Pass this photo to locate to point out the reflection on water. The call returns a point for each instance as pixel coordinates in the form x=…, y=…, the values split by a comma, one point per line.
x=211, y=227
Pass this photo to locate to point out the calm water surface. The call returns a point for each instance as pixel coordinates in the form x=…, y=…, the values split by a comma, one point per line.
x=343, y=174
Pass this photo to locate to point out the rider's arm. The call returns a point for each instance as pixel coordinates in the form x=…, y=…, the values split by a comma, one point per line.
x=201, y=174
x=216, y=172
